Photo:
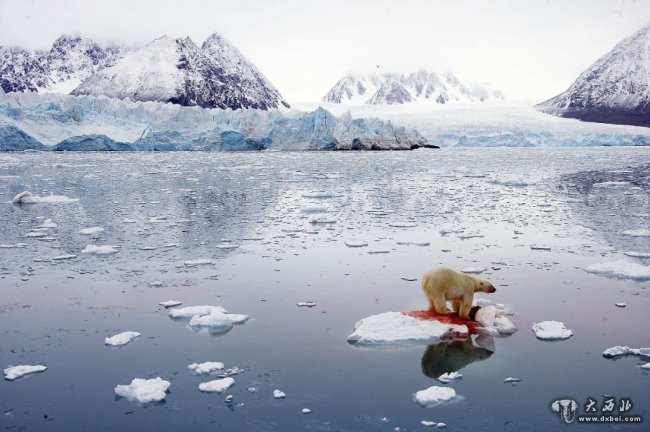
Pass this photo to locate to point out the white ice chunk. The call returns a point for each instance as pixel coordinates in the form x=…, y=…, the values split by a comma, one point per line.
x=511, y=380
x=474, y=270
x=47, y=223
x=620, y=269
x=621, y=304
x=504, y=326
x=486, y=316
x=645, y=366
x=448, y=377
x=206, y=367
x=121, y=338
x=551, y=330
x=390, y=328
x=435, y=395
x=624, y=350
x=91, y=230
x=217, y=386
x=427, y=423
x=308, y=304
x=198, y=262
x=28, y=198
x=170, y=303
x=637, y=233
x=217, y=318
x=638, y=254
x=306, y=411
x=356, y=243
x=63, y=257
x=402, y=224
x=15, y=372
x=191, y=311
x=100, y=250
x=144, y=390
x=226, y=246
x=278, y=394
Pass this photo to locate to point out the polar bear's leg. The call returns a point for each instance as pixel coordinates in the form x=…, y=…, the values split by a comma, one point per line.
x=455, y=305
x=465, y=306
x=440, y=305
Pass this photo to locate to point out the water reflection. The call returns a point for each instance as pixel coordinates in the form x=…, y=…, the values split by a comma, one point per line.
x=446, y=357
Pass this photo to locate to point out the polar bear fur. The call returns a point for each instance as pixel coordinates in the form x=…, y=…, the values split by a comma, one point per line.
x=444, y=284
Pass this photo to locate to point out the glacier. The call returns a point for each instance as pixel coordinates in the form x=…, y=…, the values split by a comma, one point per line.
x=58, y=122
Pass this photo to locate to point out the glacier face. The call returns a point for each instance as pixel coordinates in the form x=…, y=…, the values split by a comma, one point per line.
x=84, y=123
x=214, y=75
x=615, y=89
x=391, y=89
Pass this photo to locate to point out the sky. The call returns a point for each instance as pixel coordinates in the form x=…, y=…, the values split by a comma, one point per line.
x=529, y=49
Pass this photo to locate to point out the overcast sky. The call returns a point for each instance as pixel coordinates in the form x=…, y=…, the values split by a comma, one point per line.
x=530, y=49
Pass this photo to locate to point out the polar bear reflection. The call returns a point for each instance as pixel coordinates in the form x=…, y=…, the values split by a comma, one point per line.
x=446, y=357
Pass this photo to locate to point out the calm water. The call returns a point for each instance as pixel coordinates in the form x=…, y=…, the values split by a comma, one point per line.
x=165, y=209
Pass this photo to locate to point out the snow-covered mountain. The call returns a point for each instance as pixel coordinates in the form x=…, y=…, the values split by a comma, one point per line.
x=214, y=75
x=421, y=86
x=615, y=89
x=71, y=60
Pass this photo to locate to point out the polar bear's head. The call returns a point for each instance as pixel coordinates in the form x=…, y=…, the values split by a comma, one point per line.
x=482, y=285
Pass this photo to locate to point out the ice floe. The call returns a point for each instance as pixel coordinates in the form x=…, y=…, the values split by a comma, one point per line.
x=474, y=270
x=618, y=350
x=620, y=304
x=308, y=304
x=91, y=231
x=637, y=233
x=191, y=311
x=100, y=250
x=27, y=197
x=64, y=257
x=217, y=386
x=144, y=391
x=620, y=269
x=170, y=303
x=511, y=380
x=305, y=411
x=551, y=330
x=198, y=262
x=205, y=368
x=214, y=317
x=14, y=372
x=637, y=254
x=435, y=395
x=414, y=243
x=121, y=338
x=279, y=394
x=448, y=377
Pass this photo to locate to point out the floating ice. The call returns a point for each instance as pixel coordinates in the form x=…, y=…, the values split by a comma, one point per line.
x=306, y=411
x=540, y=248
x=217, y=319
x=620, y=269
x=170, y=303
x=15, y=372
x=637, y=233
x=356, y=243
x=279, y=394
x=91, y=231
x=486, y=316
x=448, y=377
x=27, y=198
x=511, y=380
x=100, y=250
x=226, y=246
x=414, y=243
x=47, y=223
x=397, y=328
x=156, y=284
x=435, y=395
x=308, y=304
x=378, y=251
x=611, y=184
x=402, y=224
x=198, y=262
x=551, y=330
x=205, y=368
x=620, y=304
x=624, y=350
x=427, y=423
x=121, y=338
x=445, y=231
x=144, y=390
x=12, y=246
x=465, y=236
x=217, y=386
x=474, y=270
x=645, y=366
x=322, y=220
x=638, y=254
x=313, y=210
x=191, y=311
x=63, y=257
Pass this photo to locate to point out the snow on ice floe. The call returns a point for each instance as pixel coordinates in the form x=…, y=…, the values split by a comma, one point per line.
x=121, y=338
x=91, y=231
x=217, y=386
x=637, y=233
x=397, y=328
x=170, y=303
x=618, y=351
x=208, y=316
x=205, y=368
x=27, y=197
x=100, y=250
x=551, y=330
x=435, y=395
x=620, y=269
x=191, y=311
x=448, y=377
x=144, y=391
x=14, y=372
x=278, y=394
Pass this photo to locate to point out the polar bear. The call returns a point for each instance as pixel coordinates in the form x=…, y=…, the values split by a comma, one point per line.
x=444, y=284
